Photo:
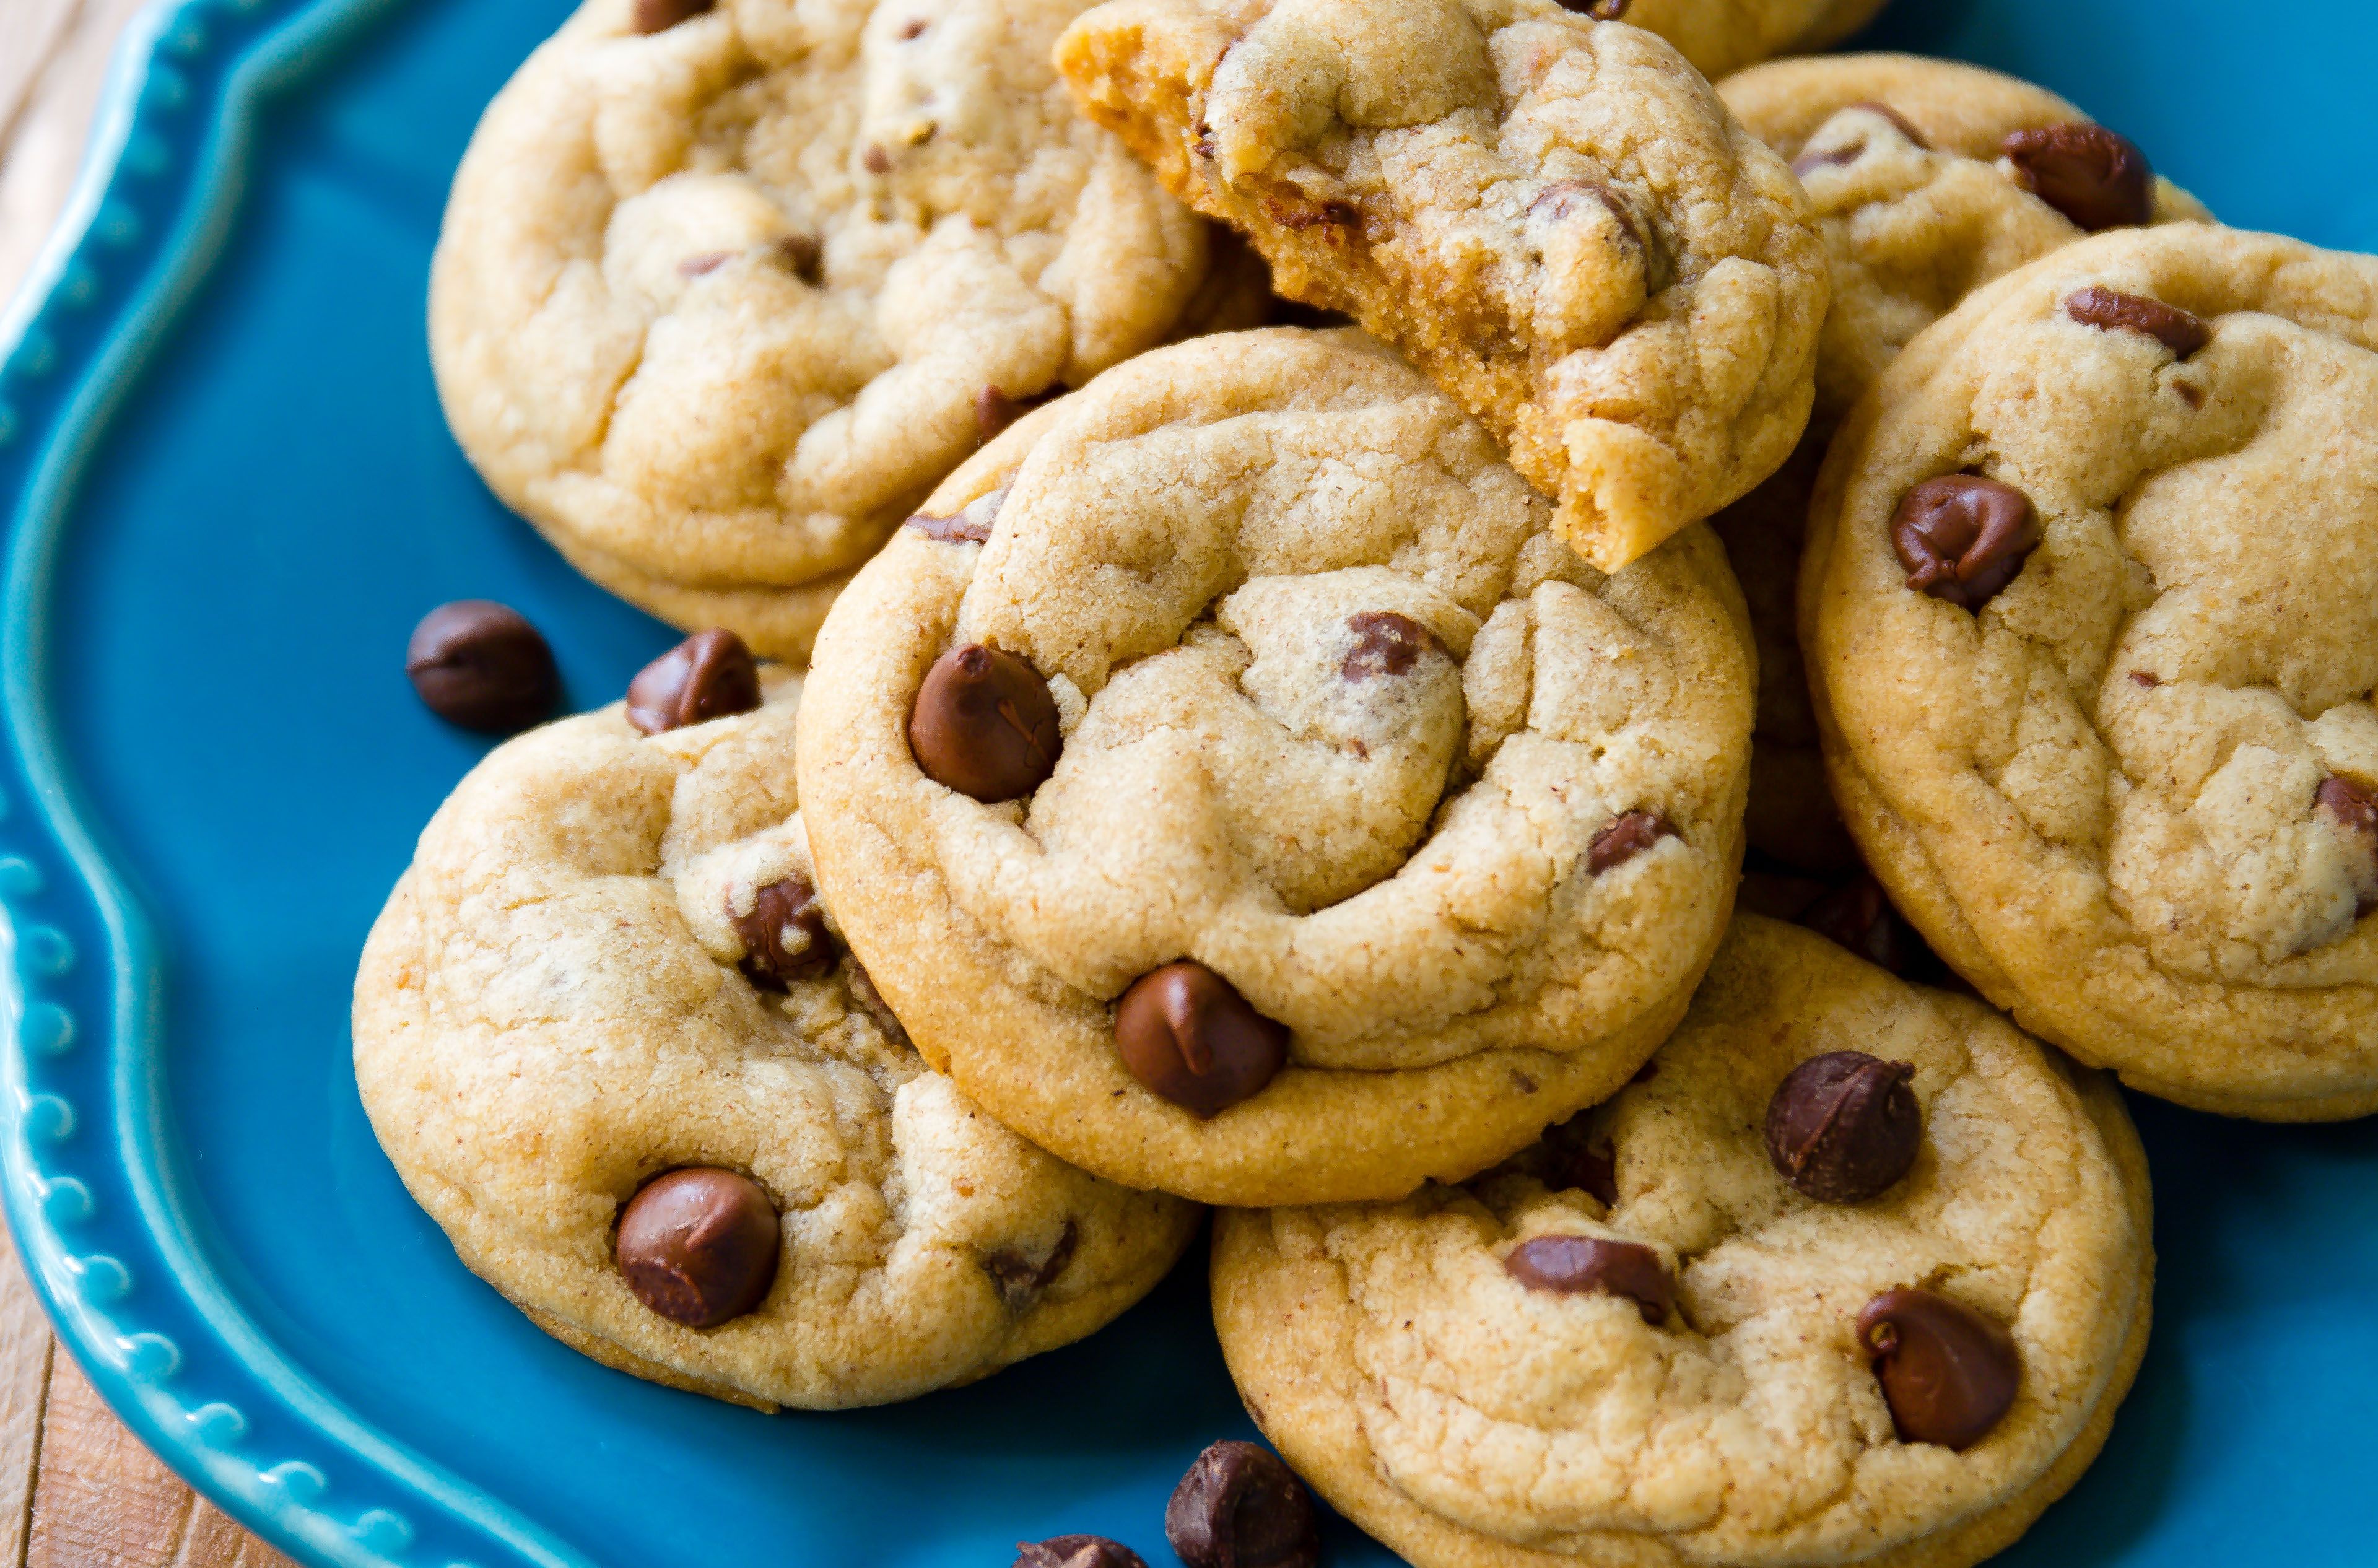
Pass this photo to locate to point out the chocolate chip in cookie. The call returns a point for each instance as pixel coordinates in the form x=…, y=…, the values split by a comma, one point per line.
x=1187, y=1034
x=1021, y=1278
x=2109, y=311
x=1386, y=644
x=785, y=935
x=1947, y=1373
x=1077, y=1551
x=1241, y=1507
x=1844, y=1127
x=699, y=1246
x=1629, y=835
x=2097, y=178
x=1592, y=1265
x=480, y=664
x=971, y=524
x=984, y=725
x=1962, y=537
x=709, y=676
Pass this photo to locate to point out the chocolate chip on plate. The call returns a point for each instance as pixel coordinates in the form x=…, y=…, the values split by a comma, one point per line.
x=2097, y=178
x=1580, y=1265
x=1239, y=1507
x=699, y=1246
x=1632, y=833
x=480, y=664
x=984, y=725
x=785, y=937
x=1844, y=1126
x=1947, y=1373
x=659, y=16
x=1962, y=537
x=1189, y=1038
x=1077, y=1551
x=2111, y=311
x=1385, y=644
x=708, y=675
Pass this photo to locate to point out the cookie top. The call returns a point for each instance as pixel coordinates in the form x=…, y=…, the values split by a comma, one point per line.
x=1920, y=195
x=2126, y=781
x=715, y=306
x=1555, y=217
x=1719, y=36
x=562, y=1000
x=1639, y=1344
x=1451, y=817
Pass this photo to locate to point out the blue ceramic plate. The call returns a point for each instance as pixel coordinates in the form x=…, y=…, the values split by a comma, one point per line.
x=228, y=494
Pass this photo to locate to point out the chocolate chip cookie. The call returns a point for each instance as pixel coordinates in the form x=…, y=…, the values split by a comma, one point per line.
x=609, y=1034
x=1236, y=786
x=1555, y=217
x=2092, y=617
x=1856, y=1272
x=1719, y=36
x=721, y=296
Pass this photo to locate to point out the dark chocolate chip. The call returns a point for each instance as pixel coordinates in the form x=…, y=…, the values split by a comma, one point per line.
x=708, y=261
x=971, y=524
x=708, y=675
x=1808, y=162
x=785, y=935
x=1077, y=1551
x=994, y=411
x=804, y=256
x=659, y=16
x=699, y=1246
x=480, y=664
x=1842, y=1126
x=2354, y=807
x=1579, y=1264
x=2093, y=176
x=1947, y=1373
x=984, y=725
x=2110, y=312
x=1962, y=537
x=1629, y=835
x=1020, y=1279
x=1189, y=1038
x=1385, y=644
x=1239, y=1507
x=1859, y=916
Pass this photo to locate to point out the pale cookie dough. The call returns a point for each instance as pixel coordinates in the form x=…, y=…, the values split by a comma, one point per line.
x=1469, y=1420
x=2127, y=798
x=715, y=307
x=1555, y=217
x=1396, y=864
x=1719, y=36
x=549, y=1012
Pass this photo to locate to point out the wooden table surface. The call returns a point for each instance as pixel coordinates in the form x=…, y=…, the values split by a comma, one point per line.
x=77, y=1490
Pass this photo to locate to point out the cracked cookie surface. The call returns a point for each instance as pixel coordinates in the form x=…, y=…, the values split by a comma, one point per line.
x=1407, y=1367
x=1341, y=722
x=550, y=1012
x=1556, y=217
x=714, y=306
x=2129, y=794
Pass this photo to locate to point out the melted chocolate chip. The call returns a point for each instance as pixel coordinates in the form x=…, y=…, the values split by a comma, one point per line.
x=699, y=1246
x=480, y=664
x=1239, y=1507
x=1858, y=916
x=1385, y=644
x=1189, y=1038
x=2110, y=312
x=1843, y=1127
x=984, y=725
x=971, y=524
x=1077, y=1551
x=659, y=16
x=785, y=935
x=1947, y=1373
x=1962, y=537
x=1582, y=1265
x=1020, y=1279
x=2093, y=176
x=1629, y=835
x=708, y=675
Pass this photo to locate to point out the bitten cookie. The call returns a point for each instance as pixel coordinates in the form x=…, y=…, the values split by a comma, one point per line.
x=1856, y=1272
x=2091, y=610
x=1555, y=217
x=607, y=1037
x=1238, y=790
x=716, y=303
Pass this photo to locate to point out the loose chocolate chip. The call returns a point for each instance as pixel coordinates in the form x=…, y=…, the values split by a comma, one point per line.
x=708, y=675
x=1077, y=1551
x=971, y=524
x=480, y=664
x=2093, y=176
x=2110, y=312
x=699, y=1246
x=1020, y=1279
x=1385, y=644
x=659, y=16
x=1633, y=833
x=803, y=257
x=1579, y=1264
x=1239, y=1507
x=785, y=935
x=1844, y=1126
x=984, y=725
x=1962, y=537
x=1947, y=1373
x=1858, y=916
x=1189, y=1038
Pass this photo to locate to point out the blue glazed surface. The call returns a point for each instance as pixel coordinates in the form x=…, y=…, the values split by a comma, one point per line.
x=228, y=494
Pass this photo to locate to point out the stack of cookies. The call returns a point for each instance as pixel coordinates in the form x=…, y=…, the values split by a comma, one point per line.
x=1241, y=558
